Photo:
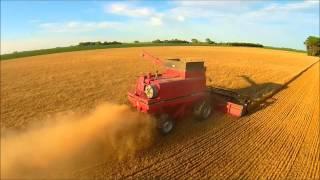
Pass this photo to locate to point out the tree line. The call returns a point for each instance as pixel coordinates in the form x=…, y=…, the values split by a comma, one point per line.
x=313, y=45
x=97, y=43
x=170, y=41
x=174, y=41
x=208, y=41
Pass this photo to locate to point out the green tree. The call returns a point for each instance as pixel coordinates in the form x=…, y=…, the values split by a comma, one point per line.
x=157, y=41
x=136, y=42
x=313, y=45
x=209, y=41
x=97, y=43
x=194, y=40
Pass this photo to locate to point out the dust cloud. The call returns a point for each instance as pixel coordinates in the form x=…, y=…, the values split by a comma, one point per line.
x=70, y=141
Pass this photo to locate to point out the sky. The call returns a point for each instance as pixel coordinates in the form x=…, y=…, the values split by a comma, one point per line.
x=39, y=24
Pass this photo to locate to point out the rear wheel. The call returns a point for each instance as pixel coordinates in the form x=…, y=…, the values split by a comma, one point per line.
x=202, y=110
x=165, y=124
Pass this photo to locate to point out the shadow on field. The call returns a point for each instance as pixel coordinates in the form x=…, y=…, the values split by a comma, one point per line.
x=260, y=94
x=256, y=90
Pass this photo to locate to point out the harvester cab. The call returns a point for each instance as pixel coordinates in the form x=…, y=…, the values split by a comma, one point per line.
x=179, y=90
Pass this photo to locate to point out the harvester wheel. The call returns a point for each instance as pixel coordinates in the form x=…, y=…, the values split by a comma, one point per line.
x=202, y=110
x=165, y=124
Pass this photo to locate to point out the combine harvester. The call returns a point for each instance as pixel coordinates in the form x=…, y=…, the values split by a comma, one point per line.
x=180, y=90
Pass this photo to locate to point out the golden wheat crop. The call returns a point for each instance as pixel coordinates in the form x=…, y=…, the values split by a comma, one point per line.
x=277, y=141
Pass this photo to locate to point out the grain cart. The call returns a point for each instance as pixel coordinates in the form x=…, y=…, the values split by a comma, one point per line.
x=179, y=90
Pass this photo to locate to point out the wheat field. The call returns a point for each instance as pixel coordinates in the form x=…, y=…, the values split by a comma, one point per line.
x=278, y=141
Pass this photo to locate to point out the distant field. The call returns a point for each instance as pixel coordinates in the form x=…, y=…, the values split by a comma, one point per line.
x=279, y=141
x=124, y=45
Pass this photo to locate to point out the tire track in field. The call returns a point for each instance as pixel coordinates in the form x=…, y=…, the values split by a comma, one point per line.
x=298, y=132
x=279, y=138
x=308, y=155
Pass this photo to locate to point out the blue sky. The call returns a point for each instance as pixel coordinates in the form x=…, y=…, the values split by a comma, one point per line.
x=27, y=25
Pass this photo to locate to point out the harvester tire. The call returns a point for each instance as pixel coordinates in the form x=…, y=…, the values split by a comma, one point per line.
x=202, y=110
x=165, y=124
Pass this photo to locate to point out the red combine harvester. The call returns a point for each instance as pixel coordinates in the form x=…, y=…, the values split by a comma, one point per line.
x=180, y=90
